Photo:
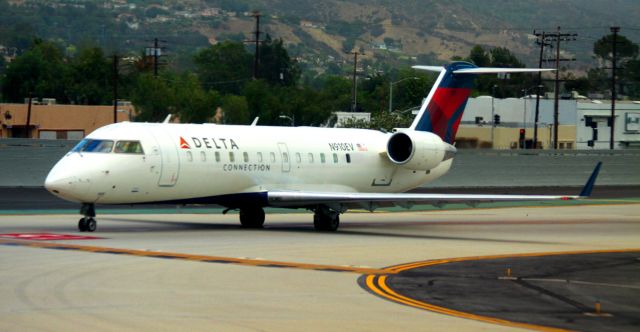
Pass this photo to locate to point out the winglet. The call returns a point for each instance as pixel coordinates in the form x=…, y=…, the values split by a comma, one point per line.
x=588, y=187
x=166, y=120
x=255, y=121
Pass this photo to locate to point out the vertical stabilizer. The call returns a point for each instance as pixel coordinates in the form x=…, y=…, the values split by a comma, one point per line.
x=442, y=109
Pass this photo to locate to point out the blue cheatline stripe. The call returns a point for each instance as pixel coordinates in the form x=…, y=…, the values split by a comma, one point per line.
x=424, y=124
x=450, y=135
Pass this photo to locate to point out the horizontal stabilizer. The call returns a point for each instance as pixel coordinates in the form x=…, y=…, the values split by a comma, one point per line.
x=483, y=70
x=437, y=69
x=494, y=70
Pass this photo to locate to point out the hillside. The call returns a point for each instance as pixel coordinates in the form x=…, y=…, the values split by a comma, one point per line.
x=321, y=33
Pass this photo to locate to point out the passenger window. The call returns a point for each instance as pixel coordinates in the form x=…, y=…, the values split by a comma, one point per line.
x=259, y=157
x=322, y=160
x=273, y=157
x=203, y=156
x=298, y=157
x=217, y=156
x=130, y=147
x=232, y=158
x=245, y=156
x=285, y=157
x=335, y=158
x=348, y=157
x=189, y=156
x=311, y=158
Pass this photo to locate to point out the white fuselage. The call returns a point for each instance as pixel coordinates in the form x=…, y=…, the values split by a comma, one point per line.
x=183, y=162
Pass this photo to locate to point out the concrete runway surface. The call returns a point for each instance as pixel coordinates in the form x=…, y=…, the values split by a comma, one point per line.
x=203, y=272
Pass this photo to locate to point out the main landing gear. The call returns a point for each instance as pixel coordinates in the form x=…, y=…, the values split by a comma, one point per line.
x=87, y=223
x=326, y=219
x=252, y=217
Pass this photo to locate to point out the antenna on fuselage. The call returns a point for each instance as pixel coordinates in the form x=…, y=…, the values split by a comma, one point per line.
x=166, y=120
x=255, y=121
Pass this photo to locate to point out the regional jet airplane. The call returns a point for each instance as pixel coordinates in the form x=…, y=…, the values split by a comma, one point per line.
x=248, y=168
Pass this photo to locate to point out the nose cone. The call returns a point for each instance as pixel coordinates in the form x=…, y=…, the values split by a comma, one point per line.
x=62, y=182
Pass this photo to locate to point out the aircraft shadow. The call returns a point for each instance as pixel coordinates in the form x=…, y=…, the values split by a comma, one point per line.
x=303, y=228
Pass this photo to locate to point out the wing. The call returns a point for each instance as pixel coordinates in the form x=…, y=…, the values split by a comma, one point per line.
x=371, y=201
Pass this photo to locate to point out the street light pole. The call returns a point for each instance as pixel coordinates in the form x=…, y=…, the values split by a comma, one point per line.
x=391, y=90
x=493, y=113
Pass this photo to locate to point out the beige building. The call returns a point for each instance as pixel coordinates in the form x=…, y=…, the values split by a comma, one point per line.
x=57, y=121
x=475, y=136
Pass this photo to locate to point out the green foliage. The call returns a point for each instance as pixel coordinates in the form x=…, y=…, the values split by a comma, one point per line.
x=191, y=102
x=224, y=66
x=152, y=97
x=90, y=78
x=40, y=70
x=276, y=67
x=603, y=48
x=236, y=109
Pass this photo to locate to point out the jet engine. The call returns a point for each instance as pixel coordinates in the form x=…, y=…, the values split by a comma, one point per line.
x=418, y=150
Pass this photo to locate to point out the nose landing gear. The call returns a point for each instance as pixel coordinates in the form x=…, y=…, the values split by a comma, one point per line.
x=87, y=223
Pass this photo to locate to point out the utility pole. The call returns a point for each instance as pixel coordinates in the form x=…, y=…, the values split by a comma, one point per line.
x=540, y=41
x=558, y=37
x=115, y=88
x=614, y=60
x=354, y=94
x=27, y=132
x=155, y=53
x=257, y=41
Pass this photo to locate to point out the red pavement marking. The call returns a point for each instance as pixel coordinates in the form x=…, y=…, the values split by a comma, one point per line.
x=46, y=236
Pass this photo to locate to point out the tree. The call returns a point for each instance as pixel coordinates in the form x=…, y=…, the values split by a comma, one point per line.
x=276, y=67
x=224, y=66
x=90, y=79
x=39, y=70
x=192, y=103
x=235, y=109
x=152, y=98
x=627, y=58
x=625, y=49
x=479, y=57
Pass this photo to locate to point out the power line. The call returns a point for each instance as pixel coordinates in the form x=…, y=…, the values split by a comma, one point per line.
x=558, y=37
x=614, y=58
x=257, y=41
x=354, y=94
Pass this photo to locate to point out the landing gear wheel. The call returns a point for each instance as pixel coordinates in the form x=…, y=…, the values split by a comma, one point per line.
x=91, y=225
x=82, y=225
x=87, y=224
x=252, y=217
x=326, y=221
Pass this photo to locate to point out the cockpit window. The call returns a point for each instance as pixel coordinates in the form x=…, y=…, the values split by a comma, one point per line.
x=131, y=147
x=93, y=145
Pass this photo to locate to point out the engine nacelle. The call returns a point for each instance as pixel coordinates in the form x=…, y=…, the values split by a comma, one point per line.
x=417, y=150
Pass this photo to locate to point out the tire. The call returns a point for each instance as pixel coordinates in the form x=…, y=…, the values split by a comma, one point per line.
x=326, y=223
x=252, y=218
x=82, y=225
x=91, y=225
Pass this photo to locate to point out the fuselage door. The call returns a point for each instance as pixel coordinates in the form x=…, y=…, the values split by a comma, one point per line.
x=285, y=157
x=170, y=161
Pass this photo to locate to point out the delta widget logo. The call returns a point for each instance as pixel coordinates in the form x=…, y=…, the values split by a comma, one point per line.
x=184, y=144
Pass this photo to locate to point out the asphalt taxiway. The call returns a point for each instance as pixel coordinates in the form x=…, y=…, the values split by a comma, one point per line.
x=204, y=272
